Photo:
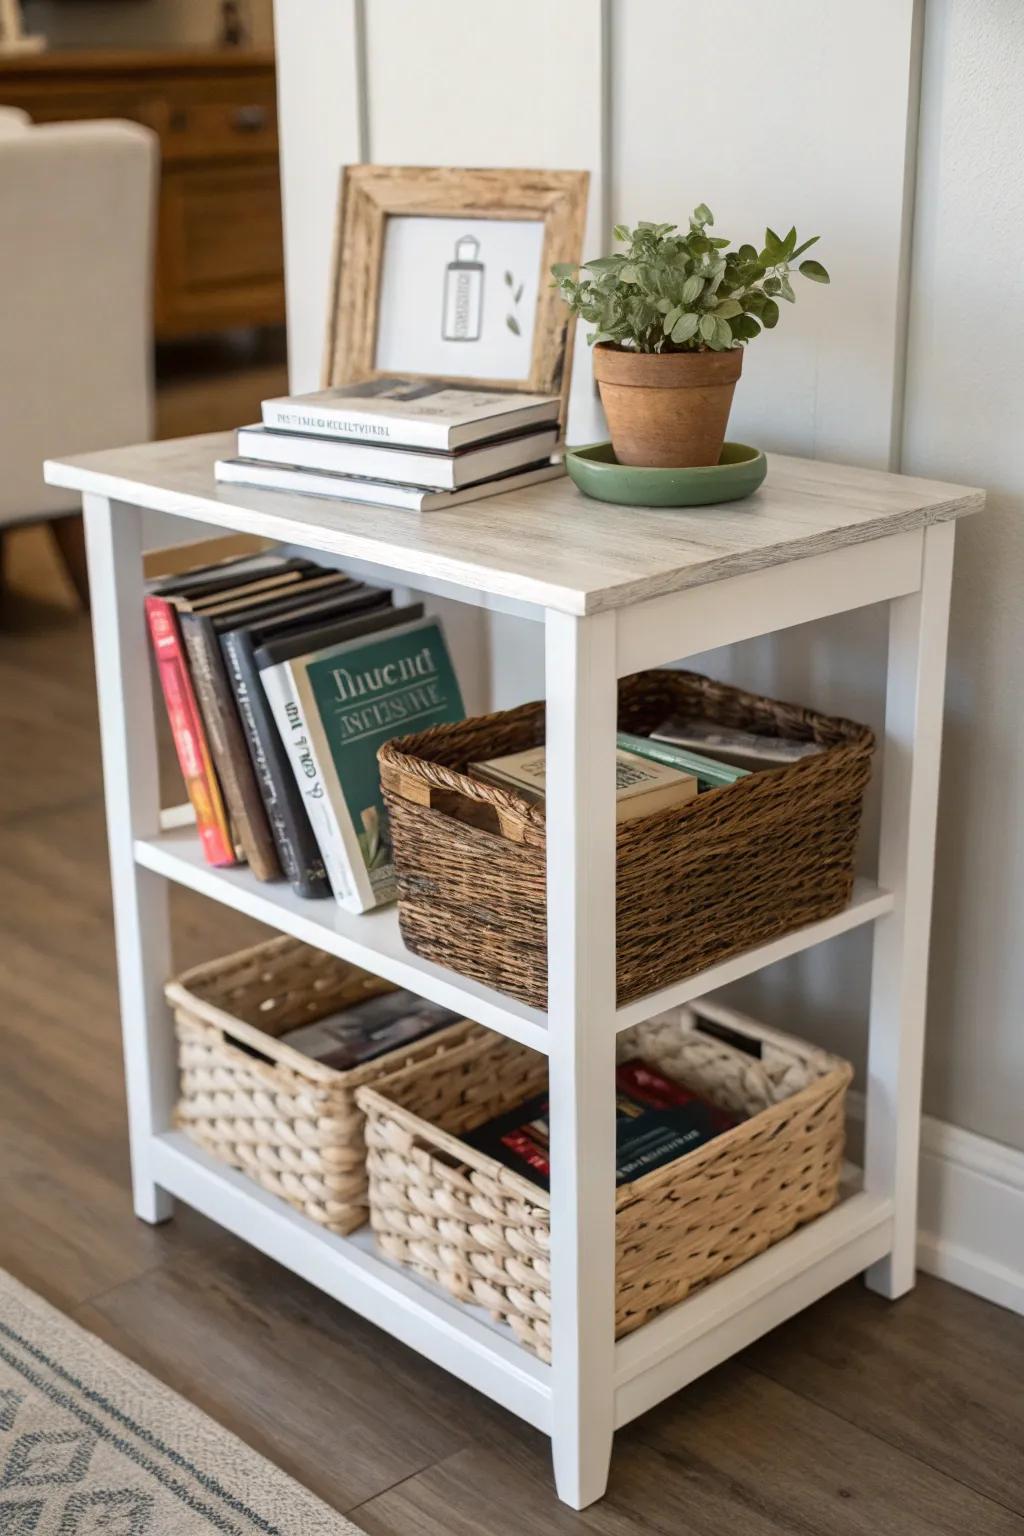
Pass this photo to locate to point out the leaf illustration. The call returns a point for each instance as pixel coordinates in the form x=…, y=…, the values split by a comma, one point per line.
x=518, y=293
x=508, y=279
x=513, y=325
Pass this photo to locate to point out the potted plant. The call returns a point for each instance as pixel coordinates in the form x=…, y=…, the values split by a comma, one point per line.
x=672, y=314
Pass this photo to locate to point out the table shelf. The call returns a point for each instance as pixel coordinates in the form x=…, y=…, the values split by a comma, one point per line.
x=614, y=590
x=652, y=1362
x=372, y=940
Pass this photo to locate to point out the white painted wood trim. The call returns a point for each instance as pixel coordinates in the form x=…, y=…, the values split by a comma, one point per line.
x=132, y=795
x=369, y=939
x=373, y=941
x=970, y=1215
x=763, y=602
x=581, y=723
x=706, y=1329
x=350, y=1270
x=918, y=627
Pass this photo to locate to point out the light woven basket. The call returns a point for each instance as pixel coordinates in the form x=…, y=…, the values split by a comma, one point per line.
x=731, y=868
x=289, y=1122
x=464, y=1220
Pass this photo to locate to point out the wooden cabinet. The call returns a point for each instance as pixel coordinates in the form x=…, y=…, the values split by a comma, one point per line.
x=219, y=260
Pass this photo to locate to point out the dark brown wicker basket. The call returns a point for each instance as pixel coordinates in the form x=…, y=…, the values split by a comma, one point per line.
x=732, y=868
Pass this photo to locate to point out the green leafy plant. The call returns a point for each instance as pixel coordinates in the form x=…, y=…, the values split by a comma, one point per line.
x=672, y=292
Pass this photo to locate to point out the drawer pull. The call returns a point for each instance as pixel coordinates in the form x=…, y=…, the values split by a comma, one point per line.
x=249, y=119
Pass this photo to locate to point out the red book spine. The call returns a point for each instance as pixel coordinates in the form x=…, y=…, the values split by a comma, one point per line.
x=189, y=735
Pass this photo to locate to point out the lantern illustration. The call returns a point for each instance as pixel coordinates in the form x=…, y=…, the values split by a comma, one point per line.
x=463, y=293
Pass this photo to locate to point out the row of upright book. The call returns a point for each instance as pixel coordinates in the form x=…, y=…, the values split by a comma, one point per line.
x=418, y=444
x=281, y=680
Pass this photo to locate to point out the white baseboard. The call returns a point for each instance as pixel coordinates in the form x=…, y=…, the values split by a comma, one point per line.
x=970, y=1210
x=971, y=1213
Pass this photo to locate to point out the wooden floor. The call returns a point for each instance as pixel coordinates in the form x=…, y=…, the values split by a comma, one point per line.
x=857, y=1418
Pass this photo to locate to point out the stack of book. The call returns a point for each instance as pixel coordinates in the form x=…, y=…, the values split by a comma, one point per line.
x=411, y=443
x=281, y=680
x=657, y=1121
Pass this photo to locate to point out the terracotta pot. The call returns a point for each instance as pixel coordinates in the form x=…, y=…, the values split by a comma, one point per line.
x=668, y=410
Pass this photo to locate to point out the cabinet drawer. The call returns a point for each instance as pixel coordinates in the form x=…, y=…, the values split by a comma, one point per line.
x=210, y=130
x=220, y=260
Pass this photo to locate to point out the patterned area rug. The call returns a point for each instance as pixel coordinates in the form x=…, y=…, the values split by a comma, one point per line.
x=90, y=1445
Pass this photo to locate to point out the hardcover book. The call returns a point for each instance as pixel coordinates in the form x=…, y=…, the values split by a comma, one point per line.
x=641, y=787
x=417, y=413
x=431, y=468
x=190, y=742
x=369, y=1029
x=656, y=1122
x=335, y=708
x=743, y=749
x=200, y=622
x=710, y=774
x=293, y=834
x=378, y=493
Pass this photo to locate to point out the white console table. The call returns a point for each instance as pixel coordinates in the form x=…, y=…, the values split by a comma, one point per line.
x=616, y=590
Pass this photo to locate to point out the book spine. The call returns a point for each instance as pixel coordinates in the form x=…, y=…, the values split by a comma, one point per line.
x=189, y=737
x=288, y=713
x=362, y=426
x=709, y=773
x=296, y=845
x=227, y=744
x=370, y=890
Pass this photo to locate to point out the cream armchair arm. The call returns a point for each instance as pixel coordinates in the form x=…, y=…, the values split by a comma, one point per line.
x=76, y=256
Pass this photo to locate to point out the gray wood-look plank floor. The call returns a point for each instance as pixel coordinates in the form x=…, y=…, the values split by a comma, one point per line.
x=856, y=1418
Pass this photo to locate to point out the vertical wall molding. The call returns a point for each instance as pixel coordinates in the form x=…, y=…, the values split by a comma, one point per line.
x=607, y=116
x=360, y=45
x=902, y=326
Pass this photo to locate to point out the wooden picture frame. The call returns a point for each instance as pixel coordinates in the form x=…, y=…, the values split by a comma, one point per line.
x=371, y=194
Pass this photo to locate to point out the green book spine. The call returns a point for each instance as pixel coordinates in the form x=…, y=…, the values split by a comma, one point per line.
x=353, y=698
x=709, y=773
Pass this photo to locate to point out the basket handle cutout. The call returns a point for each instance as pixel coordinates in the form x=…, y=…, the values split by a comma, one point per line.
x=251, y=1050
x=748, y=1044
x=461, y=798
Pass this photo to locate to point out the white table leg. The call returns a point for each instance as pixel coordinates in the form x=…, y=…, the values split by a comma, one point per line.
x=581, y=709
x=910, y=786
x=132, y=792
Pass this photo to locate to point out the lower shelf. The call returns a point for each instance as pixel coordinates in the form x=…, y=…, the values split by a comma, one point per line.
x=650, y=1364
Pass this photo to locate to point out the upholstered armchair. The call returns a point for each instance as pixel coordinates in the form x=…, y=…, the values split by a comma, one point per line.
x=77, y=204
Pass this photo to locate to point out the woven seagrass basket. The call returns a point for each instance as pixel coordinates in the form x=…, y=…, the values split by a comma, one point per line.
x=462, y=1219
x=734, y=867
x=289, y=1122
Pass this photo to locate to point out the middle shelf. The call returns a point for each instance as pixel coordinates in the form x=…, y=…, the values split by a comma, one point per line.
x=372, y=940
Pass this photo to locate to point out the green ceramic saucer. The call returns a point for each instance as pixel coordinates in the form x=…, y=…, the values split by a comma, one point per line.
x=598, y=473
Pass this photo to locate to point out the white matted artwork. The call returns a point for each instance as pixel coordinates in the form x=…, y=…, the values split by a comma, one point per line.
x=458, y=296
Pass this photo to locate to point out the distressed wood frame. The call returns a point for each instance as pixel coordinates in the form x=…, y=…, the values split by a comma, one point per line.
x=370, y=194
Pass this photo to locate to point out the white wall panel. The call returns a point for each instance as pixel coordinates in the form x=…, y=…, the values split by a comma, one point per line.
x=516, y=84
x=793, y=112
x=965, y=394
x=320, y=112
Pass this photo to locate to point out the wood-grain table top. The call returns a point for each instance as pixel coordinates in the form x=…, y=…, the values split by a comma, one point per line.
x=547, y=544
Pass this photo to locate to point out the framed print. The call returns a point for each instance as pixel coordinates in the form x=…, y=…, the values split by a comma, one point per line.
x=446, y=274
